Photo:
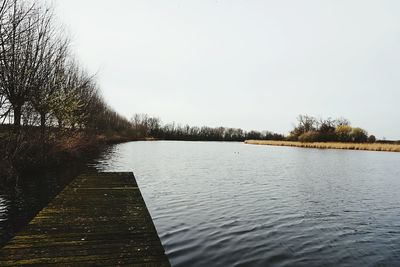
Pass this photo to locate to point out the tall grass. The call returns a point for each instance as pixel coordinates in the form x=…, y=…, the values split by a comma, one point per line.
x=330, y=145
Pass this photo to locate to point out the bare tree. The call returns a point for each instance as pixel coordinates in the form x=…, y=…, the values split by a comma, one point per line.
x=74, y=97
x=22, y=52
x=4, y=109
x=4, y=5
x=342, y=122
x=50, y=78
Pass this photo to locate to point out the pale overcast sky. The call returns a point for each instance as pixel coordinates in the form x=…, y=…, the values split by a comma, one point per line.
x=249, y=64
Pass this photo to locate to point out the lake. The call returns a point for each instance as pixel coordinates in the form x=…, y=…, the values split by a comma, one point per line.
x=231, y=204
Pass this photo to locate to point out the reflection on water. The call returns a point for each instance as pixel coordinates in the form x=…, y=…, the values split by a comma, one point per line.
x=230, y=204
x=20, y=203
x=3, y=209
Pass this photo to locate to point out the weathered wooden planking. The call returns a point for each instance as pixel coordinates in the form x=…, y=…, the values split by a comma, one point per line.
x=99, y=219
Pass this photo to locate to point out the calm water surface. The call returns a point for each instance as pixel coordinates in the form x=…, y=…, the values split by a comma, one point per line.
x=231, y=204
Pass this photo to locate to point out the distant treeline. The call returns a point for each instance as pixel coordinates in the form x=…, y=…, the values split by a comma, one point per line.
x=147, y=126
x=311, y=129
x=308, y=129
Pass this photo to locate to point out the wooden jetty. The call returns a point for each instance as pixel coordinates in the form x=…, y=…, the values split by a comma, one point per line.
x=100, y=219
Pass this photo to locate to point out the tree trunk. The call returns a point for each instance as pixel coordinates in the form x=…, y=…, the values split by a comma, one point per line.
x=42, y=123
x=43, y=137
x=17, y=117
x=60, y=123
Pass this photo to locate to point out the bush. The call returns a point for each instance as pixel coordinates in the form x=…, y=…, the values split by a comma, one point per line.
x=343, y=133
x=327, y=137
x=359, y=135
x=311, y=136
x=292, y=137
x=371, y=139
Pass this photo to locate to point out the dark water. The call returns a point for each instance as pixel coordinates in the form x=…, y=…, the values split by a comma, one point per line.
x=24, y=198
x=230, y=204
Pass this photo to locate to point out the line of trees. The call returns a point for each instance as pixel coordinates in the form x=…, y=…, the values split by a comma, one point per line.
x=41, y=83
x=147, y=126
x=307, y=129
x=50, y=107
x=311, y=129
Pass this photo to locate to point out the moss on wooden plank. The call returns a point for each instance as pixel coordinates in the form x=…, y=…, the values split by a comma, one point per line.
x=99, y=219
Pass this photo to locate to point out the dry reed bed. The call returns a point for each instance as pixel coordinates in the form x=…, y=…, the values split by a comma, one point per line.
x=330, y=145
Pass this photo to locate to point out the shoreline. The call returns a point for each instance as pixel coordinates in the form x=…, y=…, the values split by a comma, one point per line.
x=61, y=149
x=330, y=145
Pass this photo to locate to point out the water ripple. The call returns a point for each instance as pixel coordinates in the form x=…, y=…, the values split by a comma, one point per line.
x=267, y=206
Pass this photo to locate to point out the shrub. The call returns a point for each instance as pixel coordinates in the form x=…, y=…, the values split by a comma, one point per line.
x=311, y=136
x=359, y=135
x=327, y=137
x=371, y=139
x=343, y=133
x=292, y=137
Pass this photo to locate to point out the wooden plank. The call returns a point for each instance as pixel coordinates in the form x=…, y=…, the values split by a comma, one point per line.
x=99, y=219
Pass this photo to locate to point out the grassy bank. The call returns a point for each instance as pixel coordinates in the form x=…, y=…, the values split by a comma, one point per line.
x=81, y=143
x=330, y=145
x=28, y=151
